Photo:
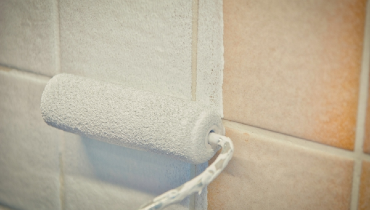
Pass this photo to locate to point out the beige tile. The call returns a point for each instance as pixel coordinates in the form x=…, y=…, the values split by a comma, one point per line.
x=267, y=174
x=367, y=127
x=293, y=66
x=364, y=202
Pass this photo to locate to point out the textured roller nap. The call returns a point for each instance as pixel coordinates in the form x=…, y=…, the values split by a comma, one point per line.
x=131, y=118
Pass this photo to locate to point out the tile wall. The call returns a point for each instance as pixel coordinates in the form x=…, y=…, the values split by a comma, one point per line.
x=296, y=85
x=147, y=45
x=295, y=91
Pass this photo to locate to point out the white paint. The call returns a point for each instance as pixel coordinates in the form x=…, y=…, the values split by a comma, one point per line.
x=27, y=35
x=197, y=184
x=29, y=158
x=141, y=44
x=98, y=175
x=210, y=55
x=131, y=118
x=138, y=43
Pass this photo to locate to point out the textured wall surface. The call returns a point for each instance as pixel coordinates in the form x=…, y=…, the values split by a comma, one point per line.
x=29, y=151
x=143, y=44
x=28, y=35
x=295, y=63
x=269, y=174
x=364, y=203
x=167, y=47
x=296, y=84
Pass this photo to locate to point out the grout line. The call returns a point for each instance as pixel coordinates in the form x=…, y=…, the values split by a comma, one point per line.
x=61, y=171
x=292, y=140
x=57, y=37
x=192, y=197
x=355, y=184
x=194, y=48
x=364, y=84
x=4, y=67
x=33, y=76
x=57, y=71
x=361, y=113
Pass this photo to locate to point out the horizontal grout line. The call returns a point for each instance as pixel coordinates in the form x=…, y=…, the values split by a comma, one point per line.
x=23, y=72
x=294, y=140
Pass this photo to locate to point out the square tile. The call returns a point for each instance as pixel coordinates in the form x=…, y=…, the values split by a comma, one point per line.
x=142, y=44
x=98, y=174
x=266, y=173
x=28, y=35
x=294, y=66
x=364, y=201
x=29, y=151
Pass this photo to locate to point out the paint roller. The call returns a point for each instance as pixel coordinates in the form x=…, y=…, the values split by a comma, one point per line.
x=137, y=119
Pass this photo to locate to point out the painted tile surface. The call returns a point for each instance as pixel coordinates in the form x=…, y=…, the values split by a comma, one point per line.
x=364, y=202
x=268, y=174
x=293, y=66
x=97, y=174
x=142, y=44
x=29, y=152
x=210, y=58
x=27, y=35
x=4, y=208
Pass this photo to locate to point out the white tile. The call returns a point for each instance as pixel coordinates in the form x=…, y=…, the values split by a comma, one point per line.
x=210, y=53
x=99, y=175
x=27, y=35
x=143, y=44
x=29, y=152
x=200, y=200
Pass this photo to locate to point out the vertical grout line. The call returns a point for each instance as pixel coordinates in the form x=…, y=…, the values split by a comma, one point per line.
x=192, y=197
x=361, y=112
x=194, y=48
x=61, y=170
x=57, y=71
x=57, y=37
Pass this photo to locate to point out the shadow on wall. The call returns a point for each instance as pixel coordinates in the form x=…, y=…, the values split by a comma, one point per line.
x=124, y=167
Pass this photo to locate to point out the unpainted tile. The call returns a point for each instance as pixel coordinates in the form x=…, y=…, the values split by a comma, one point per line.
x=364, y=201
x=141, y=44
x=294, y=66
x=97, y=174
x=29, y=152
x=266, y=173
x=28, y=35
